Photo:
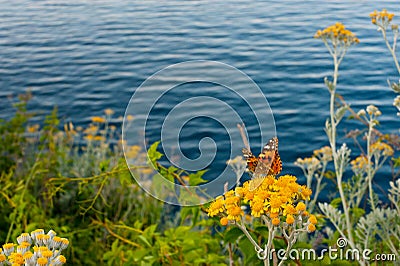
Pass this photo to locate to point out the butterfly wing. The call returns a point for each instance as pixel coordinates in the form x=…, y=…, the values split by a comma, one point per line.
x=251, y=160
x=269, y=160
x=276, y=166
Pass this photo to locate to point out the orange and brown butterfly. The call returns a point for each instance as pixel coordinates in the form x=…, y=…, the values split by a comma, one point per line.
x=267, y=163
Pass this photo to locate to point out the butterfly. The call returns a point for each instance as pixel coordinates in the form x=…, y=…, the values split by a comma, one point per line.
x=267, y=163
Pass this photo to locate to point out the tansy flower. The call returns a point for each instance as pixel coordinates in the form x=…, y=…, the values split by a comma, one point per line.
x=359, y=164
x=64, y=243
x=41, y=255
x=233, y=200
x=99, y=138
x=16, y=258
x=132, y=151
x=216, y=207
x=147, y=171
x=305, y=193
x=276, y=221
x=91, y=130
x=396, y=101
x=381, y=147
x=89, y=137
x=362, y=113
x=42, y=261
x=240, y=191
x=234, y=212
x=373, y=110
x=29, y=257
x=300, y=207
x=310, y=163
x=257, y=208
x=337, y=33
x=109, y=111
x=249, y=196
x=59, y=260
x=33, y=128
x=263, y=194
x=289, y=209
x=98, y=119
x=224, y=221
x=311, y=228
x=289, y=219
x=8, y=249
x=273, y=215
x=324, y=154
x=47, y=254
x=23, y=247
x=312, y=219
x=274, y=204
x=248, y=218
x=383, y=17
x=24, y=237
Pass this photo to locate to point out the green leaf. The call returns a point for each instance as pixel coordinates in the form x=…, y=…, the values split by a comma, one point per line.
x=196, y=178
x=336, y=202
x=145, y=241
x=187, y=211
x=104, y=165
x=340, y=112
x=163, y=188
x=153, y=154
x=232, y=235
x=248, y=250
x=328, y=84
x=262, y=230
x=396, y=161
x=357, y=213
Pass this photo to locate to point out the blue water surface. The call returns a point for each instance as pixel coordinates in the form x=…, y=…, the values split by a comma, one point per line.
x=85, y=56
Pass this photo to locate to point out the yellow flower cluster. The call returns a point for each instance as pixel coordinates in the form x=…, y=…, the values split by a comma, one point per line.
x=337, y=32
x=324, y=154
x=382, y=16
x=98, y=119
x=309, y=162
x=33, y=128
x=359, y=163
x=132, y=151
x=93, y=132
x=279, y=199
x=372, y=110
x=382, y=147
x=46, y=250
